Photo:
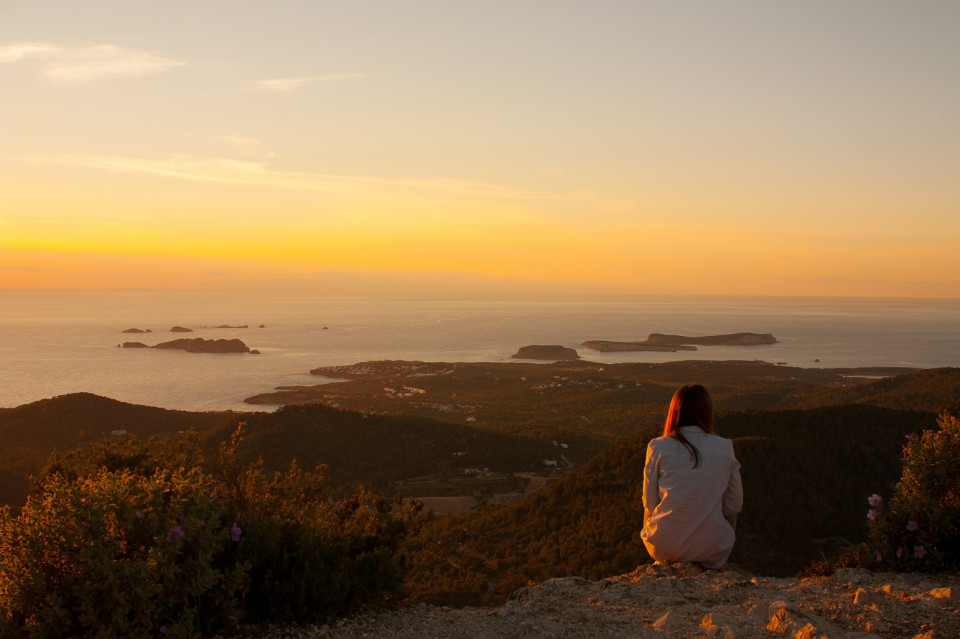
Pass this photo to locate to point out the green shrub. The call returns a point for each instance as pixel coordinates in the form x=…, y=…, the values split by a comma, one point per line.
x=310, y=558
x=118, y=554
x=918, y=528
x=112, y=545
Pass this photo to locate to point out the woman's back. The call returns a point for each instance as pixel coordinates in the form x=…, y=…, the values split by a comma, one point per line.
x=688, y=500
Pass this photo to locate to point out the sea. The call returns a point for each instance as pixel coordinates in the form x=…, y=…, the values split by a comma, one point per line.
x=58, y=342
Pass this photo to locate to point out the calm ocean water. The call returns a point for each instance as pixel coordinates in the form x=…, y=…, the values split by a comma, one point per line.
x=59, y=342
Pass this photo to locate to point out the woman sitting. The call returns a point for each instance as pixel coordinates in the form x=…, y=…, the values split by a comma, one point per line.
x=691, y=486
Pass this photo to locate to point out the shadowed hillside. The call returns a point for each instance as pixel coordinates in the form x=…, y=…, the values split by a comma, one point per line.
x=935, y=389
x=377, y=450
x=806, y=476
x=30, y=433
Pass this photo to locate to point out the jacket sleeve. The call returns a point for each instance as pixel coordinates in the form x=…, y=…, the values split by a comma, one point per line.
x=733, y=495
x=651, y=484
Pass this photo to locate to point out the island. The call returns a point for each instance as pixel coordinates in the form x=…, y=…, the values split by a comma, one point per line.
x=731, y=339
x=135, y=345
x=181, y=329
x=200, y=345
x=673, y=343
x=552, y=352
x=137, y=330
x=606, y=346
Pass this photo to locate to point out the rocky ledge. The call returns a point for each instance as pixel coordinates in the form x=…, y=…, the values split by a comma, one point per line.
x=552, y=352
x=200, y=345
x=680, y=601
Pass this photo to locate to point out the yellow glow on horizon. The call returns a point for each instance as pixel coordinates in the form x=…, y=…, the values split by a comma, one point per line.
x=635, y=259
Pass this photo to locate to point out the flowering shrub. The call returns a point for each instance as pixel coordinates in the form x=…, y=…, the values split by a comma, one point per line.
x=919, y=527
x=117, y=554
x=308, y=557
x=108, y=548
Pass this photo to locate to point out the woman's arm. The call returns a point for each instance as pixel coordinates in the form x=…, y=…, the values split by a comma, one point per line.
x=733, y=495
x=651, y=484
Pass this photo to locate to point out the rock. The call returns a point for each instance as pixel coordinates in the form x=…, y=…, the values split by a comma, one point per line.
x=137, y=330
x=663, y=601
x=852, y=575
x=228, y=326
x=941, y=593
x=552, y=352
x=875, y=625
x=605, y=346
x=254, y=352
x=135, y=345
x=200, y=345
x=719, y=625
x=181, y=329
x=667, y=622
x=731, y=339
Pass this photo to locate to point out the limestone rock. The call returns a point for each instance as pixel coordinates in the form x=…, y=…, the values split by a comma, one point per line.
x=862, y=597
x=677, y=601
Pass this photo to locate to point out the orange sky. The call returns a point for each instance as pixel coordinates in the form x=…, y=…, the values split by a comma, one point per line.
x=557, y=147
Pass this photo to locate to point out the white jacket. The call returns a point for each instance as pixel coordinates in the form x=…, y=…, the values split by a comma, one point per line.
x=686, y=506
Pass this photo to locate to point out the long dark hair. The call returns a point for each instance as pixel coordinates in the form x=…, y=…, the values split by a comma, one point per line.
x=691, y=406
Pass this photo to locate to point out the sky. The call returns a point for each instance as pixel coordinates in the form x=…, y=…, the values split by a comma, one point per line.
x=455, y=147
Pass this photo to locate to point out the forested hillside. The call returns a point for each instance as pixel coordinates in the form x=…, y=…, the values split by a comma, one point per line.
x=377, y=450
x=806, y=477
x=813, y=444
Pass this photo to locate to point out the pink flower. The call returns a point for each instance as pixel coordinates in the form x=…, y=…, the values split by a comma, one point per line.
x=874, y=500
x=871, y=514
x=235, y=531
x=919, y=552
x=84, y=501
x=912, y=525
x=899, y=553
x=176, y=533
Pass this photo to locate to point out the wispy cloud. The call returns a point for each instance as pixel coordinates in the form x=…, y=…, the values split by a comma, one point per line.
x=250, y=173
x=65, y=64
x=288, y=85
x=243, y=145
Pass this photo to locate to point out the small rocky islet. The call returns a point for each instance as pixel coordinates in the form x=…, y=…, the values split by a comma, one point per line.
x=672, y=343
x=199, y=345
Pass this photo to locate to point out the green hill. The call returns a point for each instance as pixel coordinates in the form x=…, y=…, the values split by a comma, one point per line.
x=934, y=389
x=806, y=478
x=31, y=432
x=377, y=450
